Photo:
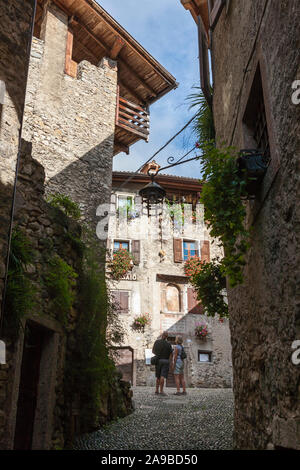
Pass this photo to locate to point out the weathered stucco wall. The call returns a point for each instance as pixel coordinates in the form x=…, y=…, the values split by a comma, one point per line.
x=71, y=121
x=146, y=296
x=264, y=311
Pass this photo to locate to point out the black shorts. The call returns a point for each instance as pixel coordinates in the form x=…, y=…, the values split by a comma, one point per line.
x=162, y=368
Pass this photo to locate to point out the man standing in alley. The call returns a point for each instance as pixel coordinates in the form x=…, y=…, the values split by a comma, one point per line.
x=163, y=350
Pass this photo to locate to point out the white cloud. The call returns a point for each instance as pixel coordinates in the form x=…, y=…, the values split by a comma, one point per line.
x=167, y=31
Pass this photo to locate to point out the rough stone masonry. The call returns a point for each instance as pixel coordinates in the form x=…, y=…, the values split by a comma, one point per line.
x=264, y=311
x=71, y=121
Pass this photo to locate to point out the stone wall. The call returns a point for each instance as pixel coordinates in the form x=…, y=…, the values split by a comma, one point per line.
x=58, y=412
x=264, y=311
x=15, y=38
x=71, y=121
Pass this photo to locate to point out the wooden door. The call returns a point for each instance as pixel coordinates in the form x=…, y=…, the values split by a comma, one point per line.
x=28, y=389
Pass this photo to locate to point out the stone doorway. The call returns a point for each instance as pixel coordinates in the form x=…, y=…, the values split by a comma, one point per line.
x=124, y=363
x=32, y=420
x=28, y=391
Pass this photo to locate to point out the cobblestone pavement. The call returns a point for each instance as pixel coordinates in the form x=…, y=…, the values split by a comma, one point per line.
x=202, y=419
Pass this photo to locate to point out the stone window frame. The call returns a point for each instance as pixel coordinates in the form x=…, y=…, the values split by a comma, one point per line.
x=121, y=240
x=197, y=245
x=209, y=353
x=131, y=195
x=259, y=60
x=180, y=298
x=163, y=291
x=120, y=311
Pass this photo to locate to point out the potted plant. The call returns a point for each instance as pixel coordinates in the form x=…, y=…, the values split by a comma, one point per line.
x=121, y=263
x=141, y=322
x=201, y=330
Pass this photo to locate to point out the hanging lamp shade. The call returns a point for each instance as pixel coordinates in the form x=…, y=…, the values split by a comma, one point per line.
x=152, y=193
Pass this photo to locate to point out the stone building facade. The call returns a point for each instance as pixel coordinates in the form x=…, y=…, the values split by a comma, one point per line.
x=16, y=23
x=74, y=137
x=157, y=284
x=73, y=125
x=256, y=70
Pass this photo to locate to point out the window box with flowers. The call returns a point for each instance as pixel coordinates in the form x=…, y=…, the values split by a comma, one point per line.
x=201, y=331
x=192, y=266
x=121, y=263
x=141, y=322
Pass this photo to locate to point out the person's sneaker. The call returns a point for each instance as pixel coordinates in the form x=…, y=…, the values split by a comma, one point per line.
x=177, y=393
x=156, y=393
x=163, y=394
x=183, y=393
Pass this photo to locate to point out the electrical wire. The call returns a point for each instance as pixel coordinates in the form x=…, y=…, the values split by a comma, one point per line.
x=156, y=153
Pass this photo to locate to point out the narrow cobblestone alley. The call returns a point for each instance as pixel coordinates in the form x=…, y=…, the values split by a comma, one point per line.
x=201, y=420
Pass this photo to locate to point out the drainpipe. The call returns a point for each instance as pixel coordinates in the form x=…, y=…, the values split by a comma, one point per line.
x=16, y=177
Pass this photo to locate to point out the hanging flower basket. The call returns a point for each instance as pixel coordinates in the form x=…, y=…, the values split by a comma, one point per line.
x=193, y=266
x=141, y=322
x=121, y=263
x=201, y=330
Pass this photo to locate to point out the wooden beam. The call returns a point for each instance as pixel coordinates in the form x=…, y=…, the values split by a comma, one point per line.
x=132, y=92
x=70, y=65
x=122, y=147
x=121, y=61
x=117, y=46
x=137, y=77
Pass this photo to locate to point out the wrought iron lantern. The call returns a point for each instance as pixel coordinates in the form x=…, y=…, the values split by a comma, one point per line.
x=252, y=162
x=152, y=194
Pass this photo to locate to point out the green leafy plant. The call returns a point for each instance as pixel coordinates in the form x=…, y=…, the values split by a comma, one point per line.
x=222, y=196
x=20, y=291
x=60, y=280
x=121, y=263
x=63, y=202
x=209, y=283
x=203, y=123
x=91, y=370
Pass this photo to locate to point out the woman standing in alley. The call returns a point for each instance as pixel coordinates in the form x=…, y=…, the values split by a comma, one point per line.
x=178, y=365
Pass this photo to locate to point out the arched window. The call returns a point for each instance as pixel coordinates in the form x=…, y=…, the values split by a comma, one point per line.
x=173, y=298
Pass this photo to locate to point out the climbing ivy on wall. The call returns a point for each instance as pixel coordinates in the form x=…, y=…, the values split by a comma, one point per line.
x=60, y=280
x=21, y=291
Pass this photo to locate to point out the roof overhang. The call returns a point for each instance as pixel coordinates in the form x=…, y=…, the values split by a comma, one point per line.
x=169, y=182
x=198, y=8
x=96, y=35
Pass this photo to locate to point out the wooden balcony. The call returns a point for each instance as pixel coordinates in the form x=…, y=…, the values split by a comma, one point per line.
x=132, y=118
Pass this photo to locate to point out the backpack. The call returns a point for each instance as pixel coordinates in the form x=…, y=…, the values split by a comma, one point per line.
x=183, y=353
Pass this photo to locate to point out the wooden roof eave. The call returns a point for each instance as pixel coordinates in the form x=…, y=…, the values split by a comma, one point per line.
x=198, y=8
x=167, y=181
x=96, y=11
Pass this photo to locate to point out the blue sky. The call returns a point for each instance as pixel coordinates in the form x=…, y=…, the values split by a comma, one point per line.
x=168, y=32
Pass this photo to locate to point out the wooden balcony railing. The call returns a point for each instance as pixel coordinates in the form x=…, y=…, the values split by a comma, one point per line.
x=132, y=118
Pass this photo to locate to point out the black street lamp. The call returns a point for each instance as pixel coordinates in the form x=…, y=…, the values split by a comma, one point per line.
x=250, y=161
